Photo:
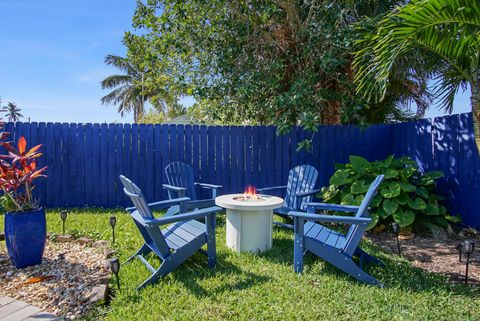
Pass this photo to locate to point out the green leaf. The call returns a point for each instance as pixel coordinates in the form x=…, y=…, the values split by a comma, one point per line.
x=382, y=213
x=359, y=187
x=422, y=191
x=434, y=174
x=376, y=201
x=391, y=173
x=408, y=171
x=432, y=209
x=339, y=178
x=404, y=218
x=348, y=200
x=407, y=187
x=390, y=206
x=391, y=190
x=374, y=221
x=402, y=199
x=359, y=163
x=453, y=219
x=417, y=204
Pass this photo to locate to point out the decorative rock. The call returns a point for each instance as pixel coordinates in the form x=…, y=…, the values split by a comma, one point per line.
x=75, y=271
x=100, y=244
x=2, y=236
x=64, y=238
x=108, y=253
x=98, y=293
x=85, y=241
x=406, y=236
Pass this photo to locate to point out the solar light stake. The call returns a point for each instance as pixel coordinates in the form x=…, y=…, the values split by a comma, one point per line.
x=113, y=222
x=63, y=216
x=115, y=267
x=396, y=230
x=468, y=247
x=459, y=248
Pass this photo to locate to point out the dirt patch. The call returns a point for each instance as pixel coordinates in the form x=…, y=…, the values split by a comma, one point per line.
x=439, y=257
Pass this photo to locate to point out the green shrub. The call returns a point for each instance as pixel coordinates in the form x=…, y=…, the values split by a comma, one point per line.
x=406, y=196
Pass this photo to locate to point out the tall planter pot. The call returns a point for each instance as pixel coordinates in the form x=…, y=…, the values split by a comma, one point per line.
x=25, y=236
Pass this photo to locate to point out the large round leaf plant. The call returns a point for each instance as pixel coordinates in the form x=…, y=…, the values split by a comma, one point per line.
x=407, y=196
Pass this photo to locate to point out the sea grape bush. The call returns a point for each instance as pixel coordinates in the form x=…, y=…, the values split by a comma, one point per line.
x=407, y=196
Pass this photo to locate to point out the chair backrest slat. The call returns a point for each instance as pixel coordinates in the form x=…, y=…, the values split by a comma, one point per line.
x=300, y=179
x=152, y=235
x=181, y=174
x=355, y=232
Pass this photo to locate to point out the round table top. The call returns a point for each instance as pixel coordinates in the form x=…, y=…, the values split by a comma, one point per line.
x=268, y=202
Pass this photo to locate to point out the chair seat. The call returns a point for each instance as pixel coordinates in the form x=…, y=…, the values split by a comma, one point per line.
x=319, y=233
x=182, y=233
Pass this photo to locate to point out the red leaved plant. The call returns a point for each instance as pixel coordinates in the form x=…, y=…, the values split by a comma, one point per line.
x=18, y=169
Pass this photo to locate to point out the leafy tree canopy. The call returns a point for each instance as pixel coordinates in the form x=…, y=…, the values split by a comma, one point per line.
x=267, y=62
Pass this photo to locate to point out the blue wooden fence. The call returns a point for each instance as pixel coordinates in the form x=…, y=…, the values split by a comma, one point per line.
x=85, y=159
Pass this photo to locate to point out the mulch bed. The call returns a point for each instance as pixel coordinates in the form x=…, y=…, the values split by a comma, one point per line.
x=431, y=255
x=67, y=283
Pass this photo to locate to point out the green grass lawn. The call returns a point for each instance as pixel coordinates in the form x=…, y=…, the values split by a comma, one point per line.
x=264, y=287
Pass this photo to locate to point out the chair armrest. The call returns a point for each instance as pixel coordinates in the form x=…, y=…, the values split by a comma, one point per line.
x=309, y=193
x=330, y=218
x=331, y=207
x=208, y=186
x=174, y=188
x=184, y=217
x=270, y=188
x=162, y=204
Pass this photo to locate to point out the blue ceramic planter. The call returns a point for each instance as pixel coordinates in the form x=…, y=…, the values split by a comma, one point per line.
x=25, y=236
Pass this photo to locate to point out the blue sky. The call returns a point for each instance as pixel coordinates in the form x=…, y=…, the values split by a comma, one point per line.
x=52, y=57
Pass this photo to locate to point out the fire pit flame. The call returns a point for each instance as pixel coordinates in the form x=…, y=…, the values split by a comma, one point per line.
x=250, y=195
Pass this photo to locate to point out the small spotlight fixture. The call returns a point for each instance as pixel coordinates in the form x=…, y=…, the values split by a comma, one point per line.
x=113, y=222
x=115, y=267
x=63, y=216
x=468, y=248
x=396, y=230
x=459, y=248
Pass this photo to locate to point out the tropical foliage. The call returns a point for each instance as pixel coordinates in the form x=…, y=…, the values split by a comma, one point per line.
x=12, y=111
x=128, y=92
x=18, y=170
x=406, y=196
x=265, y=62
x=447, y=32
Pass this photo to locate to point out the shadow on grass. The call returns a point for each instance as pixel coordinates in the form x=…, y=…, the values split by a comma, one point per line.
x=397, y=273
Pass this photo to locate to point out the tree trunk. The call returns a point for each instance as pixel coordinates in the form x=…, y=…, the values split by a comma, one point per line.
x=474, y=100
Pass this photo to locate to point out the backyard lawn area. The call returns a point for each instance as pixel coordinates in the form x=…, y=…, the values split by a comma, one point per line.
x=264, y=287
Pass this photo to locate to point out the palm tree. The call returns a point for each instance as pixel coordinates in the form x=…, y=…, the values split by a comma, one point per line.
x=446, y=31
x=127, y=91
x=13, y=112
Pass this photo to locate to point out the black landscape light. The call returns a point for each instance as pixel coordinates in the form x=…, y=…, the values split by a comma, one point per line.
x=63, y=216
x=468, y=248
x=459, y=248
x=396, y=230
x=115, y=267
x=113, y=222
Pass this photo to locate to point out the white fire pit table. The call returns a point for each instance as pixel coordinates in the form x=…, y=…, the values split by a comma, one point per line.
x=249, y=220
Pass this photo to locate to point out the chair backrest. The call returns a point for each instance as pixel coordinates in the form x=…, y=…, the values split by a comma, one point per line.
x=300, y=179
x=135, y=194
x=152, y=235
x=181, y=174
x=354, y=234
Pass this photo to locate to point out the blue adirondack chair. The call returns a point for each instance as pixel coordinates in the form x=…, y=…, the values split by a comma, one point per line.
x=299, y=191
x=175, y=243
x=181, y=183
x=336, y=248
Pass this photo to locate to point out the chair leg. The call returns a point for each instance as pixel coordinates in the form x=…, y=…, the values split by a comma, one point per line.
x=211, y=242
x=298, y=248
x=367, y=258
x=144, y=250
x=349, y=267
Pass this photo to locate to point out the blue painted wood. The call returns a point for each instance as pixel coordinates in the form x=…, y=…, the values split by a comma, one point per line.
x=175, y=243
x=96, y=161
x=299, y=189
x=445, y=144
x=334, y=247
x=149, y=161
x=218, y=173
x=118, y=147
